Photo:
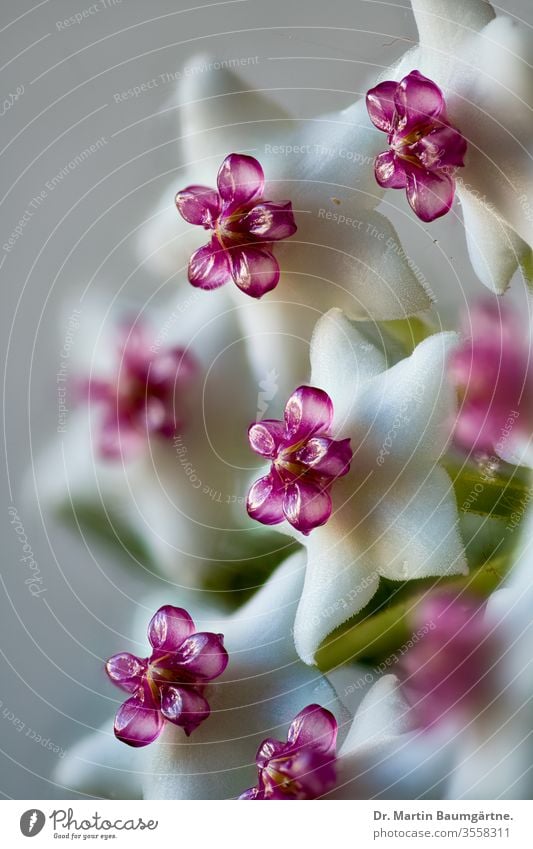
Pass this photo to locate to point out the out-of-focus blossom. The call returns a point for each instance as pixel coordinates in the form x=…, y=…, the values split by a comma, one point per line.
x=424, y=148
x=393, y=513
x=447, y=675
x=305, y=462
x=303, y=767
x=492, y=370
x=182, y=499
x=142, y=398
x=168, y=685
x=244, y=226
x=483, y=65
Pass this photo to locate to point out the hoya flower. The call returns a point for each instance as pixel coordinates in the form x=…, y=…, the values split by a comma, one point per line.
x=305, y=462
x=424, y=148
x=483, y=65
x=303, y=767
x=446, y=676
x=265, y=692
x=492, y=370
x=244, y=225
x=178, y=505
x=393, y=514
x=170, y=684
x=142, y=397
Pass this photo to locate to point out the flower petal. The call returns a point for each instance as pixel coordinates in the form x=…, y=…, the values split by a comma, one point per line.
x=169, y=627
x=343, y=360
x=209, y=266
x=381, y=106
x=199, y=205
x=442, y=147
x=185, y=707
x=430, y=193
x=417, y=100
x=266, y=436
x=315, y=727
x=309, y=410
x=404, y=416
x=265, y=501
x=126, y=671
x=495, y=250
x=306, y=506
x=445, y=23
x=202, y=655
x=100, y=765
x=389, y=171
x=269, y=221
x=254, y=269
x=240, y=179
x=138, y=723
x=326, y=456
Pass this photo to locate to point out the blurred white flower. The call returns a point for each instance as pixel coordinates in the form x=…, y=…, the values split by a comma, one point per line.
x=182, y=495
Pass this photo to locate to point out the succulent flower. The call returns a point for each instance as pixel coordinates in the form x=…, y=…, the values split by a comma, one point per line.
x=142, y=397
x=169, y=685
x=305, y=462
x=424, y=148
x=244, y=226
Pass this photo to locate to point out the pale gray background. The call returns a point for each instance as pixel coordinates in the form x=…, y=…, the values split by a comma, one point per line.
x=313, y=56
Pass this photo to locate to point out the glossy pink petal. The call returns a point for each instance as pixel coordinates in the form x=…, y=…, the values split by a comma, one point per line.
x=138, y=723
x=442, y=147
x=209, y=266
x=308, y=411
x=126, y=671
x=390, y=171
x=306, y=505
x=202, y=656
x=326, y=456
x=169, y=627
x=253, y=793
x=269, y=748
x=269, y=221
x=240, y=179
x=266, y=437
x=314, y=726
x=418, y=101
x=254, y=269
x=184, y=707
x=199, y=205
x=265, y=500
x=381, y=106
x=430, y=193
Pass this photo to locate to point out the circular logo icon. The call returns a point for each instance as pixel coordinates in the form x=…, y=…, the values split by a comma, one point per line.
x=32, y=822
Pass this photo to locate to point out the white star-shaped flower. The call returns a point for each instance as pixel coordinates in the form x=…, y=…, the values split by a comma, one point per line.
x=484, y=66
x=394, y=514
